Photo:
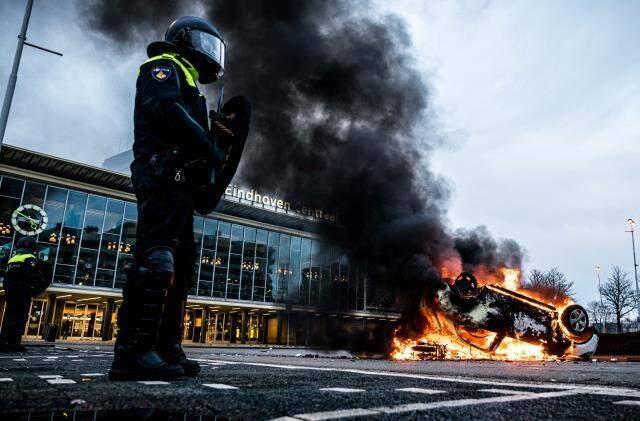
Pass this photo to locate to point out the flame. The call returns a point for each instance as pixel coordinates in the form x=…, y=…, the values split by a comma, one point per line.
x=441, y=331
x=511, y=276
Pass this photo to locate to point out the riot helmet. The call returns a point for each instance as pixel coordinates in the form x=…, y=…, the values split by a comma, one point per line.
x=26, y=245
x=199, y=42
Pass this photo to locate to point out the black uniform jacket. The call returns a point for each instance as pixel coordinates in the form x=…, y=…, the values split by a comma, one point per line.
x=169, y=115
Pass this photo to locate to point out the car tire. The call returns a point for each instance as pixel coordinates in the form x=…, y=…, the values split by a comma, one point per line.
x=575, y=319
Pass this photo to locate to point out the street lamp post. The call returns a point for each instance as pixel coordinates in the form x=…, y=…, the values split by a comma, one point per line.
x=604, y=321
x=13, y=77
x=632, y=223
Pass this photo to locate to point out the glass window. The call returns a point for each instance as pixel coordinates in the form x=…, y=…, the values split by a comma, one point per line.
x=272, y=266
x=294, y=277
x=125, y=261
x=325, y=275
x=104, y=278
x=210, y=228
x=236, y=239
x=248, y=263
x=314, y=281
x=69, y=245
x=93, y=222
x=131, y=211
x=262, y=238
x=128, y=241
x=222, y=260
x=108, y=252
x=34, y=194
x=305, y=271
x=74, y=213
x=284, y=268
x=47, y=254
x=86, y=269
x=64, y=274
x=11, y=187
x=7, y=206
x=6, y=244
x=233, y=283
x=54, y=207
x=113, y=217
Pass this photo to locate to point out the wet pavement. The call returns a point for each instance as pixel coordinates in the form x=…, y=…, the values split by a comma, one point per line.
x=71, y=383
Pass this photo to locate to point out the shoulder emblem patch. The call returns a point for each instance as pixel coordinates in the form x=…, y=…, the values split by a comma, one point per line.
x=161, y=73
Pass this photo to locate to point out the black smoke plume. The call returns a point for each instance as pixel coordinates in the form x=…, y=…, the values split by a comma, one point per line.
x=341, y=122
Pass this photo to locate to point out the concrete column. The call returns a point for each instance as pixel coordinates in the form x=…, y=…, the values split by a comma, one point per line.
x=280, y=320
x=243, y=327
x=233, y=323
x=205, y=324
x=307, y=330
x=107, y=328
x=48, y=316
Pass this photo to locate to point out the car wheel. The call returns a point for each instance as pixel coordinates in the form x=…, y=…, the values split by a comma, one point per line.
x=466, y=284
x=575, y=319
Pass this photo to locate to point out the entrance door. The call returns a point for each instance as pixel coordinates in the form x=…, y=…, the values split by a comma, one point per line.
x=34, y=326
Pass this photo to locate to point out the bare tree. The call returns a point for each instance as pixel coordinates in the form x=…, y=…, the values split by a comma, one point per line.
x=619, y=295
x=552, y=284
x=599, y=313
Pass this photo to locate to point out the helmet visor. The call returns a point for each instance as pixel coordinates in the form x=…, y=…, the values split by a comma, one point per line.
x=209, y=45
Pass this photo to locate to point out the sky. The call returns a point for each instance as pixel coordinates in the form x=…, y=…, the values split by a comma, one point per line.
x=537, y=103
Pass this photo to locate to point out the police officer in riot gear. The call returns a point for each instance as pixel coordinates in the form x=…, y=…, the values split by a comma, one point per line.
x=179, y=166
x=24, y=280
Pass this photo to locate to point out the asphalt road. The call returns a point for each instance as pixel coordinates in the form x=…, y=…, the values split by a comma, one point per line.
x=71, y=383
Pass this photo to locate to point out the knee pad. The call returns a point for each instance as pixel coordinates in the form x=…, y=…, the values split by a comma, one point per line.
x=155, y=271
x=159, y=260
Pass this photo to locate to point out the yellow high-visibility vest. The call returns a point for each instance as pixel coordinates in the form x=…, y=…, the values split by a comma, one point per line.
x=20, y=258
x=190, y=73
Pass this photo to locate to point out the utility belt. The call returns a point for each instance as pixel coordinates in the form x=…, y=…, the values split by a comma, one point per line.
x=174, y=167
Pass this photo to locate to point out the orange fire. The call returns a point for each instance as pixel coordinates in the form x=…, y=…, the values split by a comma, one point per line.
x=442, y=332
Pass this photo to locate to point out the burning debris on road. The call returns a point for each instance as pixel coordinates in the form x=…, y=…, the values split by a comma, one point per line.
x=464, y=320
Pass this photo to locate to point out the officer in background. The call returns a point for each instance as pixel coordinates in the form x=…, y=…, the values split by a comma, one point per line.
x=23, y=282
x=179, y=166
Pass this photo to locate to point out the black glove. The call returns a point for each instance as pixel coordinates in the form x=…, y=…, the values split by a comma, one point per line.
x=232, y=121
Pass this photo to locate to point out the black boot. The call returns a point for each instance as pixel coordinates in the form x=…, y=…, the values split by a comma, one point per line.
x=170, y=338
x=139, y=321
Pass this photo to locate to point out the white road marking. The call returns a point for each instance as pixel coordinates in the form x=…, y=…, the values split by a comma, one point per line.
x=50, y=376
x=6, y=379
x=220, y=386
x=153, y=382
x=506, y=391
x=76, y=361
x=636, y=403
x=19, y=359
x=342, y=390
x=594, y=390
x=92, y=374
x=420, y=390
x=286, y=419
x=60, y=381
x=358, y=412
x=342, y=413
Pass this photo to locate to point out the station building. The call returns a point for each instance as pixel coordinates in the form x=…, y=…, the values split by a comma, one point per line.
x=262, y=273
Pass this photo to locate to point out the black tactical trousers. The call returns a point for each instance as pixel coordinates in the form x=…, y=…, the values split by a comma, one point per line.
x=165, y=219
x=16, y=312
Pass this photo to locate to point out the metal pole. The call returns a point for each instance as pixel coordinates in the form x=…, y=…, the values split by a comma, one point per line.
x=604, y=321
x=635, y=269
x=13, y=77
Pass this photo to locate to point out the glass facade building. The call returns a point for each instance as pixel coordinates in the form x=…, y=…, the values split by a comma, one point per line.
x=252, y=271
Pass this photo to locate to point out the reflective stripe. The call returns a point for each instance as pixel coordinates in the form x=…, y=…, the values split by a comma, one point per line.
x=20, y=258
x=190, y=73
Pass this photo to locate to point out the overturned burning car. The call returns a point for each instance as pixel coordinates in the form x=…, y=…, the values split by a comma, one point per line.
x=487, y=317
